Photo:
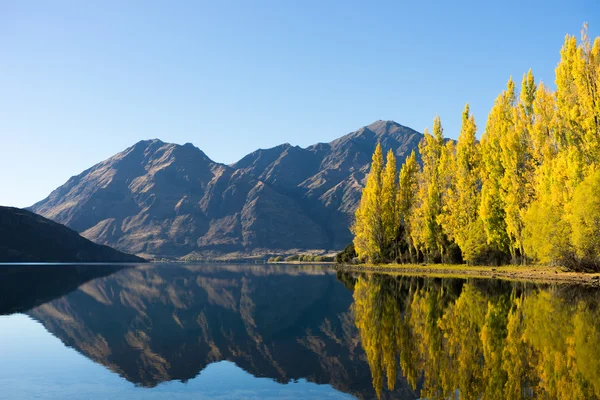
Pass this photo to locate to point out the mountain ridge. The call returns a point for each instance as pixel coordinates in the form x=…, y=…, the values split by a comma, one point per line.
x=28, y=237
x=168, y=200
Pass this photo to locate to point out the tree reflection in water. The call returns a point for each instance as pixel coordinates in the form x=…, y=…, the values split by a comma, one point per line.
x=480, y=338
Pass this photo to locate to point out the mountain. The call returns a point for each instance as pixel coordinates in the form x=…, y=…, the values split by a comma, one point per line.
x=27, y=237
x=167, y=200
x=159, y=323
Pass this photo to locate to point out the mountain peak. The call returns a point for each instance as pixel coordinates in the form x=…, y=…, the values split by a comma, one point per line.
x=384, y=127
x=380, y=123
x=146, y=142
x=157, y=149
x=380, y=131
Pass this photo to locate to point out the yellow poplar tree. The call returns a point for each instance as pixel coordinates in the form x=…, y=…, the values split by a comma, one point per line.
x=567, y=101
x=426, y=230
x=389, y=211
x=528, y=91
x=447, y=174
x=585, y=221
x=586, y=77
x=492, y=209
x=517, y=162
x=461, y=210
x=545, y=233
x=544, y=135
x=529, y=188
x=368, y=224
x=566, y=148
x=407, y=192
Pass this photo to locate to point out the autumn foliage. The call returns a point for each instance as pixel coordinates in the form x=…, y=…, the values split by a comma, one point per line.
x=478, y=339
x=528, y=191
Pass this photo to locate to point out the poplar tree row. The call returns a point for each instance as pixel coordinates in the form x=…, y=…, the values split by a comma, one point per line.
x=528, y=191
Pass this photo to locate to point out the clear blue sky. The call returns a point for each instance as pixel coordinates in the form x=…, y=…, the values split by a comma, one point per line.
x=83, y=80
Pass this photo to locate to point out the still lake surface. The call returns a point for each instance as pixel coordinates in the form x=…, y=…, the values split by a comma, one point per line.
x=162, y=331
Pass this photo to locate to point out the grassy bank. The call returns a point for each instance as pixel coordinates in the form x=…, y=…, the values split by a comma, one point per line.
x=535, y=273
x=302, y=262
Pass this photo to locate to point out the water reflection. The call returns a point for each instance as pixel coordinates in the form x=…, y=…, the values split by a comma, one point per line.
x=23, y=287
x=366, y=335
x=479, y=339
x=153, y=324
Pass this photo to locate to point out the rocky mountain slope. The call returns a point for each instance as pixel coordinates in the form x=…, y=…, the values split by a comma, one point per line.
x=168, y=200
x=27, y=237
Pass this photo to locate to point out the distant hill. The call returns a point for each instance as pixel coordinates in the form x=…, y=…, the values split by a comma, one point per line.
x=169, y=200
x=27, y=237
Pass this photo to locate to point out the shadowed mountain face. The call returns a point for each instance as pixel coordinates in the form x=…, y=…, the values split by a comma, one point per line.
x=169, y=200
x=27, y=237
x=154, y=324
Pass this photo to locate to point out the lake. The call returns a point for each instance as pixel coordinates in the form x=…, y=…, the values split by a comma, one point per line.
x=161, y=331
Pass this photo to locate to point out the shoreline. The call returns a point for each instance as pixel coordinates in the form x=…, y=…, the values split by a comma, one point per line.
x=332, y=263
x=532, y=273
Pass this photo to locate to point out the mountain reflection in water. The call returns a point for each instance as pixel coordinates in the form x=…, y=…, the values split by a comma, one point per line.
x=158, y=323
x=365, y=335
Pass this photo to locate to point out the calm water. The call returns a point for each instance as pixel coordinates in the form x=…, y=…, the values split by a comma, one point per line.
x=242, y=331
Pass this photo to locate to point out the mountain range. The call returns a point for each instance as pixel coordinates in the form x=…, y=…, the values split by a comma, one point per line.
x=165, y=200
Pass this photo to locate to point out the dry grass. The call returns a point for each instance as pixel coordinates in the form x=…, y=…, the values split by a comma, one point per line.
x=536, y=273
